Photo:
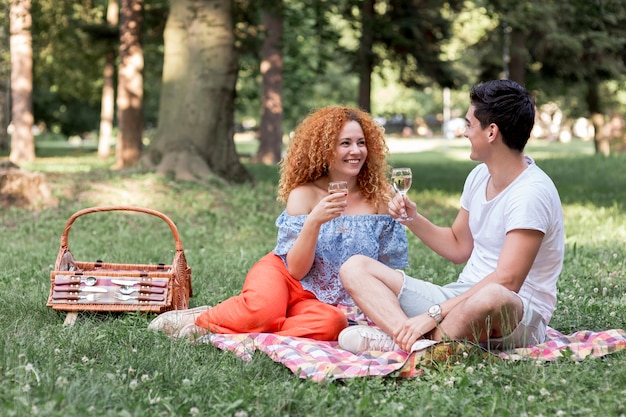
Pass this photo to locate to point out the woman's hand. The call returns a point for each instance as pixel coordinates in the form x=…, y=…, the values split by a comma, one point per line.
x=329, y=207
x=400, y=205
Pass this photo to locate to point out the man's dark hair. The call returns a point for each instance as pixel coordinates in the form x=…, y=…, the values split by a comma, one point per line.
x=508, y=105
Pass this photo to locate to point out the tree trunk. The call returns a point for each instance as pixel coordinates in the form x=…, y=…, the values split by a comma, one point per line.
x=5, y=88
x=107, y=109
x=365, y=63
x=22, y=140
x=196, y=114
x=130, y=85
x=517, y=65
x=271, y=132
x=601, y=141
x=4, y=112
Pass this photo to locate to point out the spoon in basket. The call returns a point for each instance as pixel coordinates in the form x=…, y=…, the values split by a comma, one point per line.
x=64, y=280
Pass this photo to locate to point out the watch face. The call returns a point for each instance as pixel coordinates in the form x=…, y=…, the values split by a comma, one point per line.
x=434, y=309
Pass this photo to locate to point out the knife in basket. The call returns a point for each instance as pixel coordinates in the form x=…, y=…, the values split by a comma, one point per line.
x=76, y=288
x=145, y=282
x=73, y=296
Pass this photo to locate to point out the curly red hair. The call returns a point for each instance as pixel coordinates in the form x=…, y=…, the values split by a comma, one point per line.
x=311, y=152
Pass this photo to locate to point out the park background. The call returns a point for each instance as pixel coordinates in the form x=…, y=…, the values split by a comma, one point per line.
x=215, y=102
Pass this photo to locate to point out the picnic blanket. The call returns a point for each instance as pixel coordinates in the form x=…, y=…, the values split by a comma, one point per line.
x=322, y=361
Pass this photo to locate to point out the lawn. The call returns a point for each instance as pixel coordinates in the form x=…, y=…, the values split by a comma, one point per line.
x=110, y=365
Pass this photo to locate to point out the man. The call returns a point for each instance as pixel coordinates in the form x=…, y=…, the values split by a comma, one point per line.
x=509, y=231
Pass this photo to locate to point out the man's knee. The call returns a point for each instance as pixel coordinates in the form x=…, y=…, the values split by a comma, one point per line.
x=500, y=303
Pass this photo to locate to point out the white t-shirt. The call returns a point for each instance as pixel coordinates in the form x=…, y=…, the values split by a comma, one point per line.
x=531, y=201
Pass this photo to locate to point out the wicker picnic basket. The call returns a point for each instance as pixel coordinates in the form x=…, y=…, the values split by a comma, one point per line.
x=119, y=287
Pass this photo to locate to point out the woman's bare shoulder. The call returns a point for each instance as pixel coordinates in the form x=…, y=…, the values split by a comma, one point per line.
x=303, y=198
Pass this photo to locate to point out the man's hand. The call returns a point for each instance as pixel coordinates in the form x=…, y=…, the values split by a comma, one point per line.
x=413, y=329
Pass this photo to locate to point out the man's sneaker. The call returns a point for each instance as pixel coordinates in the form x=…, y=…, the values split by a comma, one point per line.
x=171, y=322
x=358, y=339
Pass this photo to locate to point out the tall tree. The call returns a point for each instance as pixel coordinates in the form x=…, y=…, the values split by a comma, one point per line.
x=586, y=47
x=271, y=131
x=130, y=85
x=22, y=139
x=194, y=137
x=107, y=108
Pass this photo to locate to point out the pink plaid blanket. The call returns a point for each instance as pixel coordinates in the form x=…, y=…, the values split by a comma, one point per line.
x=319, y=361
x=323, y=361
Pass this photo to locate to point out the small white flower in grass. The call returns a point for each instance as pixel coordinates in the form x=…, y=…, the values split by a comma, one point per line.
x=507, y=388
x=85, y=359
x=612, y=314
x=560, y=413
x=145, y=378
x=518, y=393
x=61, y=382
x=186, y=381
x=596, y=290
x=34, y=410
x=26, y=388
x=133, y=384
x=155, y=400
x=449, y=382
x=29, y=367
x=479, y=383
x=57, y=351
x=469, y=370
x=21, y=356
x=92, y=409
x=241, y=413
x=544, y=392
x=194, y=411
x=434, y=387
x=530, y=398
x=131, y=371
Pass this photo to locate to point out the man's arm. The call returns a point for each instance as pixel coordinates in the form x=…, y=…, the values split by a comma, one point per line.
x=454, y=243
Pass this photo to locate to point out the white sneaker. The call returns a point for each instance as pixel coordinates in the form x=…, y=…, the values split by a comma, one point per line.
x=358, y=339
x=171, y=322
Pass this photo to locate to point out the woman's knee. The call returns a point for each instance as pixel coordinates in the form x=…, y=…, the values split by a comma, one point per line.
x=352, y=269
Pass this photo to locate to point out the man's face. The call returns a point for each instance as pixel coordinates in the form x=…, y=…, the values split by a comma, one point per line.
x=477, y=136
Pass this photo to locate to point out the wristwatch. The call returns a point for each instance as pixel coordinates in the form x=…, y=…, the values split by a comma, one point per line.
x=434, y=311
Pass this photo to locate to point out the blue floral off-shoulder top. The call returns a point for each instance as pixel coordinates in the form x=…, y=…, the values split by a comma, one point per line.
x=377, y=236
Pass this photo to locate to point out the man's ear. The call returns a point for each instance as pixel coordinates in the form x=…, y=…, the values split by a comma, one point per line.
x=493, y=130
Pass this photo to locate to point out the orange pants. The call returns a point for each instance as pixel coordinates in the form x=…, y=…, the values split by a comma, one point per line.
x=272, y=301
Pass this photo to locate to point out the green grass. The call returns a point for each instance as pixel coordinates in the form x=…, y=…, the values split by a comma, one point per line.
x=110, y=365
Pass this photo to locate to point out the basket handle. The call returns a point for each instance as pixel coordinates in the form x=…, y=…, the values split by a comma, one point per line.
x=70, y=221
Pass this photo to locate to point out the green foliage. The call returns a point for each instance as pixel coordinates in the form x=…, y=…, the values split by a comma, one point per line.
x=110, y=365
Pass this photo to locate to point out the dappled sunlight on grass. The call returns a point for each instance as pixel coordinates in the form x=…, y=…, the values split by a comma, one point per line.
x=69, y=164
x=601, y=224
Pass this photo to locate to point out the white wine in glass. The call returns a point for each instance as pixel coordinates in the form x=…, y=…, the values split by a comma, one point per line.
x=401, y=179
x=339, y=187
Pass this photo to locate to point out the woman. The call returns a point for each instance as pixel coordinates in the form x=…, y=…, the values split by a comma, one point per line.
x=294, y=290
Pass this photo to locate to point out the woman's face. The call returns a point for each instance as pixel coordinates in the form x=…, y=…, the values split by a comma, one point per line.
x=350, y=152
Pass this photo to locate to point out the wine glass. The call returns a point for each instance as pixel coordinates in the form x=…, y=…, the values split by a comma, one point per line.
x=339, y=187
x=401, y=179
